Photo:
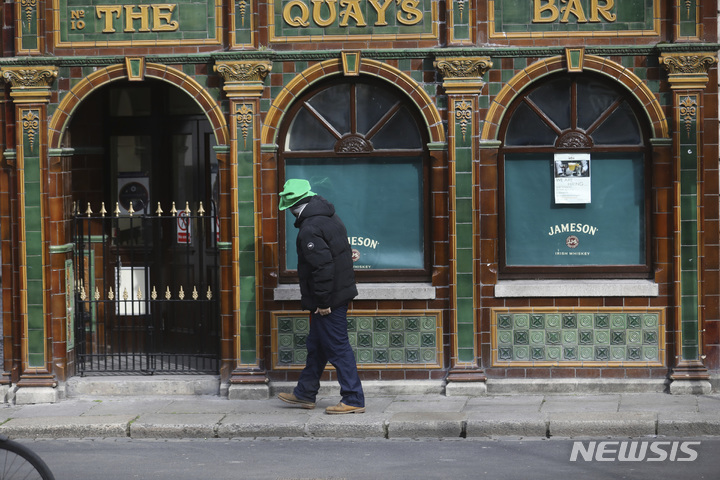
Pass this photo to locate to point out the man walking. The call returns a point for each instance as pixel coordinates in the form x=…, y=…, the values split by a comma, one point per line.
x=327, y=285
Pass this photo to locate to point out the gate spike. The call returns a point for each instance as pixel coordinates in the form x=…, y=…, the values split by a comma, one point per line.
x=209, y=293
x=187, y=208
x=201, y=210
x=181, y=295
x=131, y=210
x=125, y=294
x=97, y=293
x=173, y=210
x=89, y=210
x=82, y=292
x=195, y=293
x=102, y=209
x=74, y=209
x=117, y=209
x=159, y=210
x=168, y=295
x=111, y=294
x=154, y=293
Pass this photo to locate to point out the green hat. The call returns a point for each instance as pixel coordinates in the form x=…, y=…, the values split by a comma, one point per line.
x=294, y=190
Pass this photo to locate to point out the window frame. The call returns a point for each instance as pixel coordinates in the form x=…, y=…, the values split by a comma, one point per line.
x=601, y=271
x=288, y=274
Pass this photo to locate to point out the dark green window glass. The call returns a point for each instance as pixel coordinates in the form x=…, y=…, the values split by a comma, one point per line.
x=574, y=191
x=360, y=145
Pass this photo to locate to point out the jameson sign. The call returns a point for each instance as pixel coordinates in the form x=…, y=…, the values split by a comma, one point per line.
x=563, y=18
x=319, y=20
x=107, y=22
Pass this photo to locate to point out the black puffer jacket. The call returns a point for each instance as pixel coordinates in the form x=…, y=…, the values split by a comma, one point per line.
x=325, y=265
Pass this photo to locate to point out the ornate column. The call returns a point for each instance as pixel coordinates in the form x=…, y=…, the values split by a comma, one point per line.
x=244, y=87
x=463, y=84
x=30, y=93
x=688, y=76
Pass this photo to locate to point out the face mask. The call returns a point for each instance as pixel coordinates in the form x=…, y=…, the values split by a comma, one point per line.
x=298, y=209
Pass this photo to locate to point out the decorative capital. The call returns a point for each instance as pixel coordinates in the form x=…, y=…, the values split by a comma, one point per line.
x=28, y=77
x=29, y=84
x=463, y=74
x=688, y=70
x=243, y=78
x=249, y=71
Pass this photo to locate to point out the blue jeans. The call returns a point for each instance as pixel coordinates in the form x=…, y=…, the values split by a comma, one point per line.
x=328, y=342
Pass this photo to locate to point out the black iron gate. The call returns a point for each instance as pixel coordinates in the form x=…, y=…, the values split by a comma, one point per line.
x=147, y=297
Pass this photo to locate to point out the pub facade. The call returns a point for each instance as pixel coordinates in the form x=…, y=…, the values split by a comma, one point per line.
x=531, y=191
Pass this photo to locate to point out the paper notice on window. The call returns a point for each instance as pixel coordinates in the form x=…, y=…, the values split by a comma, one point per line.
x=572, y=177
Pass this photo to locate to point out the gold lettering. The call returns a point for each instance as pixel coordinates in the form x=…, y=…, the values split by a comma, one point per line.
x=539, y=9
x=353, y=10
x=107, y=12
x=297, y=21
x=131, y=15
x=381, y=10
x=162, y=18
x=604, y=11
x=332, y=14
x=576, y=9
x=412, y=14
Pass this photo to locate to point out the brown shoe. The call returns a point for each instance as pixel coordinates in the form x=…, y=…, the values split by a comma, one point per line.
x=341, y=408
x=298, y=402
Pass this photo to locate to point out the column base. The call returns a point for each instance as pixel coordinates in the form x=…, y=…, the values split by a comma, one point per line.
x=471, y=382
x=250, y=384
x=690, y=377
x=690, y=387
x=252, y=391
x=32, y=395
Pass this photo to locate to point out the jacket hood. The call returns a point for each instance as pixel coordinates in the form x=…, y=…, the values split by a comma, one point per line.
x=317, y=206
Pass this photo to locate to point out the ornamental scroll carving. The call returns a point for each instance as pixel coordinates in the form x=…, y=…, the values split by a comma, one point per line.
x=243, y=71
x=463, y=68
x=23, y=77
x=693, y=64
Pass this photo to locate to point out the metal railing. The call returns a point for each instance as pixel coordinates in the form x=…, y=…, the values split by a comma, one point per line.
x=146, y=291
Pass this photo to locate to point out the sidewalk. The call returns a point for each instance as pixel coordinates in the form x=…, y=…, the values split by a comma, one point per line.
x=398, y=416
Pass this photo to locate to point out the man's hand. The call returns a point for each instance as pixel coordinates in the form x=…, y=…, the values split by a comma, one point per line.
x=323, y=311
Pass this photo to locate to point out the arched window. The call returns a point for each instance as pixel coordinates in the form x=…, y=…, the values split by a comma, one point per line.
x=361, y=145
x=575, y=182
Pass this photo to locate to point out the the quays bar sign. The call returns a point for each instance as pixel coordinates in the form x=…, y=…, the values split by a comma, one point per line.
x=96, y=23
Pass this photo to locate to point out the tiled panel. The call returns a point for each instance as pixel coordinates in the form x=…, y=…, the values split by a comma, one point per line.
x=392, y=340
x=299, y=21
x=689, y=241
x=88, y=23
x=575, y=337
x=515, y=19
x=245, y=126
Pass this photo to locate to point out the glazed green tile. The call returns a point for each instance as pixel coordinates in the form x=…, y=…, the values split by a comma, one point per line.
x=464, y=260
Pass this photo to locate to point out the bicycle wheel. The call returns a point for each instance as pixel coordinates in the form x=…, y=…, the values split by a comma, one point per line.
x=19, y=462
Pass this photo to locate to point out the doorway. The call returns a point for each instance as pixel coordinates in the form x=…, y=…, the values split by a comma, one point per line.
x=144, y=181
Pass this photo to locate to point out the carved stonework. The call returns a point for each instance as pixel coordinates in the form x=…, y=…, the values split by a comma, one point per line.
x=243, y=78
x=25, y=77
x=463, y=114
x=244, y=118
x=353, y=144
x=574, y=140
x=688, y=112
x=463, y=75
x=463, y=67
x=688, y=70
x=249, y=71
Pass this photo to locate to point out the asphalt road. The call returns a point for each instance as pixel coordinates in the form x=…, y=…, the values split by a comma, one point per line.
x=328, y=459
